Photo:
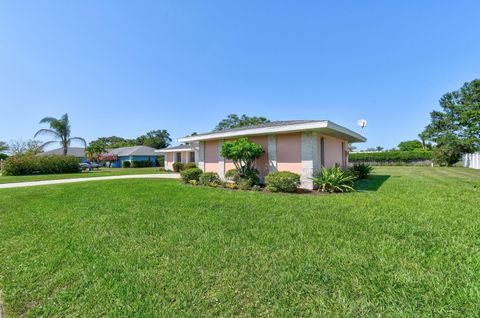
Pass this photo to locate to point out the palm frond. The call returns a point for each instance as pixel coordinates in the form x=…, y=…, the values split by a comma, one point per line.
x=47, y=132
x=47, y=120
x=47, y=143
x=83, y=141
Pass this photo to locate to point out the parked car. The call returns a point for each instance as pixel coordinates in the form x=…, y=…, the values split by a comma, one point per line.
x=89, y=166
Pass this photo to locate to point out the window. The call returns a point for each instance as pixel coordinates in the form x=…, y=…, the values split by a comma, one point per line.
x=192, y=156
x=178, y=157
x=322, y=152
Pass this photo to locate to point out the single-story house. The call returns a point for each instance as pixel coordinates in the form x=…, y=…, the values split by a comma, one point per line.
x=299, y=146
x=78, y=152
x=138, y=153
x=181, y=153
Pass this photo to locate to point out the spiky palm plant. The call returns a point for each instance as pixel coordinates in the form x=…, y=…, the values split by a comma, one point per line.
x=59, y=130
x=333, y=180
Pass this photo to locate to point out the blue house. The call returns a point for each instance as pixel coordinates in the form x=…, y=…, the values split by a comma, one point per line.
x=138, y=153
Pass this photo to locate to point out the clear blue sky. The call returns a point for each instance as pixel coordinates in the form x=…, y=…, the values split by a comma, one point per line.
x=126, y=67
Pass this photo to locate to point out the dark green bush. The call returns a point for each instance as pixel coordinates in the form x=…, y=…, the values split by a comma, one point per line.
x=177, y=166
x=25, y=165
x=361, y=170
x=3, y=156
x=141, y=163
x=283, y=181
x=125, y=164
x=191, y=174
x=189, y=165
x=391, y=156
x=209, y=179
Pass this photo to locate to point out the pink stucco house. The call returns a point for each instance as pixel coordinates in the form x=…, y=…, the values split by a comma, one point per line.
x=300, y=146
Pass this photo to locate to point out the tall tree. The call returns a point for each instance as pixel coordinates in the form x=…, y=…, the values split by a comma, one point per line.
x=457, y=125
x=410, y=145
x=157, y=139
x=234, y=121
x=59, y=130
x=22, y=147
x=3, y=146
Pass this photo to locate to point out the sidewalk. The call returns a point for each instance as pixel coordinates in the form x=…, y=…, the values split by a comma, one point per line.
x=74, y=180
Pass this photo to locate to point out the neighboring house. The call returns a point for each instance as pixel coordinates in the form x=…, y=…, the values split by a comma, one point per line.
x=138, y=153
x=181, y=153
x=299, y=146
x=471, y=160
x=71, y=151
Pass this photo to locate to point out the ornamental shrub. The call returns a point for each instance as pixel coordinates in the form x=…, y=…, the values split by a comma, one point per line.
x=245, y=184
x=232, y=175
x=189, y=165
x=28, y=164
x=360, y=170
x=209, y=178
x=177, y=166
x=243, y=154
x=191, y=174
x=141, y=163
x=333, y=180
x=125, y=164
x=283, y=181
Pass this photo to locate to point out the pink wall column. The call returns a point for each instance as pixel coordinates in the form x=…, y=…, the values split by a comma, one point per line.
x=211, y=156
x=289, y=153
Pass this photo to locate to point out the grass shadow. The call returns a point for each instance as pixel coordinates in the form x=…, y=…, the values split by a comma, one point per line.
x=372, y=183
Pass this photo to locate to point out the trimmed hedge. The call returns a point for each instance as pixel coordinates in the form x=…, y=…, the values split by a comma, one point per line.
x=191, y=174
x=26, y=165
x=282, y=181
x=391, y=156
x=126, y=164
x=141, y=164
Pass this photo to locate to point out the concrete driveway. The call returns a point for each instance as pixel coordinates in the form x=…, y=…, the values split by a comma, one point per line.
x=88, y=179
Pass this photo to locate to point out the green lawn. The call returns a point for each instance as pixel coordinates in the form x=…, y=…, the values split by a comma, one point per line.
x=408, y=246
x=96, y=173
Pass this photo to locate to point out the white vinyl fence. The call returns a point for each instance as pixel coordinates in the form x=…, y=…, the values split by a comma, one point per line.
x=472, y=160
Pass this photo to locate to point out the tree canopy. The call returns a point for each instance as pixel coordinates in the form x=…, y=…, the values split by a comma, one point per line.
x=156, y=139
x=410, y=145
x=3, y=146
x=235, y=121
x=243, y=153
x=457, y=125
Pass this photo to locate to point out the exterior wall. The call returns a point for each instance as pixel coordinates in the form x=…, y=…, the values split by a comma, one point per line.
x=289, y=153
x=296, y=152
x=211, y=156
x=334, y=152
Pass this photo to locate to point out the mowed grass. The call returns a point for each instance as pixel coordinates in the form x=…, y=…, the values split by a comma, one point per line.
x=102, y=172
x=408, y=245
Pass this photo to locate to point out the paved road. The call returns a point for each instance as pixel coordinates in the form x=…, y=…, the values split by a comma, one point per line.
x=87, y=179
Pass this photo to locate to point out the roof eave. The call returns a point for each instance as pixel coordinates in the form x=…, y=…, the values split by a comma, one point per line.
x=348, y=134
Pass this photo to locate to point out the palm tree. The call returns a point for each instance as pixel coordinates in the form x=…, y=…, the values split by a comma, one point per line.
x=60, y=130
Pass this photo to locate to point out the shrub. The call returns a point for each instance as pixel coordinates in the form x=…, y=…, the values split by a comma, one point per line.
x=243, y=153
x=446, y=156
x=361, y=170
x=245, y=184
x=209, y=178
x=191, y=174
x=333, y=180
x=232, y=175
x=141, y=163
x=283, y=181
x=189, y=165
x=388, y=156
x=177, y=166
x=125, y=164
x=27, y=164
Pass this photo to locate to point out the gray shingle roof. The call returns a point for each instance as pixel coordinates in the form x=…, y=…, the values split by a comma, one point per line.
x=72, y=151
x=264, y=125
x=133, y=151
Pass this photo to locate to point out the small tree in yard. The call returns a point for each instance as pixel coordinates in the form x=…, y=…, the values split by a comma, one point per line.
x=243, y=153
